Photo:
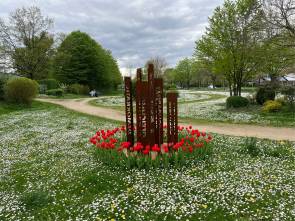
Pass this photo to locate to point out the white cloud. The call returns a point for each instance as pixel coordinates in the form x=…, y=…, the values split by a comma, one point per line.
x=134, y=30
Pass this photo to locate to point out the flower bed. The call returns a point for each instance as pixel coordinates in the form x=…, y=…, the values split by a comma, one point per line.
x=113, y=149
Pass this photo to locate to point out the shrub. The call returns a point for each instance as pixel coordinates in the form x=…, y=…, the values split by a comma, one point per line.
x=49, y=83
x=55, y=92
x=3, y=81
x=236, y=102
x=264, y=94
x=21, y=90
x=79, y=89
x=271, y=106
x=251, y=146
x=289, y=93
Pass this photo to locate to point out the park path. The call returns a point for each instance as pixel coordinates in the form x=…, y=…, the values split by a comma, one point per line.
x=274, y=133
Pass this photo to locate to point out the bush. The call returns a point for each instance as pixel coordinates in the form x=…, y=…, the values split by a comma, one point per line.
x=79, y=89
x=55, y=92
x=21, y=90
x=289, y=93
x=236, y=102
x=264, y=94
x=49, y=83
x=3, y=81
x=251, y=146
x=271, y=106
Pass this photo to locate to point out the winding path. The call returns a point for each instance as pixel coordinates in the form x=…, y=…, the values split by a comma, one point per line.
x=274, y=133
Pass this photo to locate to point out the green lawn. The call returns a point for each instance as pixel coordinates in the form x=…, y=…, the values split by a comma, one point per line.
x=48, y=172
x=65, y=96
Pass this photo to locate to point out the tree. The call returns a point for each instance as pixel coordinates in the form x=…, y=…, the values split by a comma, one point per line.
x=26, y=43
x=275, y=59
x=230, y=45
x=184, y=72
x=280, y=14
x=160, y=65
x=169, y=76
x=80, y=59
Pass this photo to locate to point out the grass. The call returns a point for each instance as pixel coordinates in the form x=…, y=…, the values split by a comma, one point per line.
x=65, y=96
x=48, y=172
x=7, y=108
x=284, y=118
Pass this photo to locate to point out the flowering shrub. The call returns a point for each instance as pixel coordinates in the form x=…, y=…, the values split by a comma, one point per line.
x=113, y=149
x=271, y=106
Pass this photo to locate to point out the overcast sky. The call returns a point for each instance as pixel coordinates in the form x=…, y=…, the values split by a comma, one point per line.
x=134, y=30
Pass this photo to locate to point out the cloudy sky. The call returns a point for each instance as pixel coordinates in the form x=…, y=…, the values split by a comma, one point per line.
x=134, y=30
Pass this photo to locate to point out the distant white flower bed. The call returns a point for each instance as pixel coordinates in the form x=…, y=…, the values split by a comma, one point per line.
x=184, y=96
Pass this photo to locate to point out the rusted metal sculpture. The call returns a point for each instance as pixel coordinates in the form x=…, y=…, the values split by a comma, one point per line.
x=159, y=111
x=149, y=110
x=129, y=110
x=172, y=130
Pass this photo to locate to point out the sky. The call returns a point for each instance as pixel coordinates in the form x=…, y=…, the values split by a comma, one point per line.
x=134, y=30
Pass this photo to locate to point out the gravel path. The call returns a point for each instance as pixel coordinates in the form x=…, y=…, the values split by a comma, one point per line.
x=274, y=133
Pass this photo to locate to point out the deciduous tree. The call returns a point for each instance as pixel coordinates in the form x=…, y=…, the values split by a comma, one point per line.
x=25, y=41
x=230, y=44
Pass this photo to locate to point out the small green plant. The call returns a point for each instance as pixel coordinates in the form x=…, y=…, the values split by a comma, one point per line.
x=236, y=102
x=70, y=125
x=35, y=199
x=264, y=94
x=21, y=90
x=55, y=92
x=113, y=150
x=3, y=81
x=280, y=149
x=251, y=146
x=271, y=106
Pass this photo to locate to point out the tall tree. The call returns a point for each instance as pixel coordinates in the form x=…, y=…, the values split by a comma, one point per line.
x=280, y=14
x=184, y=72
x=169, y=76
x=230, y=45
x=26, y=42
x=80, y=59
x=160, y=65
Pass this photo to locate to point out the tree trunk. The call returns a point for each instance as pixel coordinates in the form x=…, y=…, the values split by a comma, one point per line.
x=230, y=89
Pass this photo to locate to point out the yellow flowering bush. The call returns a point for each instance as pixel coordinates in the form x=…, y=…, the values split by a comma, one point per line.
x=271, y=106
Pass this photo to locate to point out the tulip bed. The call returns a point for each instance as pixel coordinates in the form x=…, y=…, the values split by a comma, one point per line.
x=48, y=172
x=113, y=149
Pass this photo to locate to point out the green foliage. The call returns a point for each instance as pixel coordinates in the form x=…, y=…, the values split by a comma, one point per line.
x=21, y=90
x=251, y=146
x=50, y=83
x=271, y=106
x=55, y=92
x=27, y=42
x=183, y=72
x=3, y=81
x=289, y=93
x=236, y=102
x=33, y=60
x=35, y=200
x=81, y=60
x=230, y=45
x=176, y=159
x=264, y=94
x=78, y=89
